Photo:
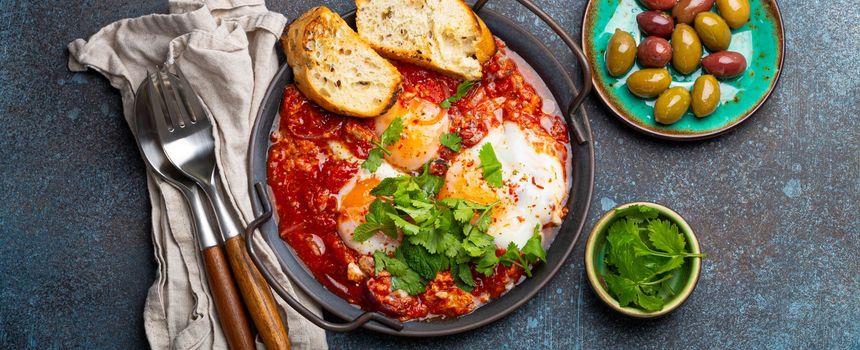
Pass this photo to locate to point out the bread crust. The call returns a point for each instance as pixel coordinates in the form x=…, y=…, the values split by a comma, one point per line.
x=300, y=56
x=485, y=46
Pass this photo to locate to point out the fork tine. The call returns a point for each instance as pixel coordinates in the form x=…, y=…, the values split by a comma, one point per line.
x=186, y=88
x=157, y=105
x=169, y=100
x=158, y=89
x=178, y=99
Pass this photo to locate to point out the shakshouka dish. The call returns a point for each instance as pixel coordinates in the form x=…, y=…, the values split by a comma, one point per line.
x=429, y=228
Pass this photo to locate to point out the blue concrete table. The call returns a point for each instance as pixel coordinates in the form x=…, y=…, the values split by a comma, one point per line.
x=776, y=203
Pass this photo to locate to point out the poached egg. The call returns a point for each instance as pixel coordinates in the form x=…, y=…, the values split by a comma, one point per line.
x=353, y=203
x=534, y=191
x=423, y=125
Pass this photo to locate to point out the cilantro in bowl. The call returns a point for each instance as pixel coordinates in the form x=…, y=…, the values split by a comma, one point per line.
x=644, y=251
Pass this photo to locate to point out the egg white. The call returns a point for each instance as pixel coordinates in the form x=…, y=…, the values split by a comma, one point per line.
x=534, y=190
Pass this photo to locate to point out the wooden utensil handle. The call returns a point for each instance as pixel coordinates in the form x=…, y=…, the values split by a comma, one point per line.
x=257, y=295
x=234, y=320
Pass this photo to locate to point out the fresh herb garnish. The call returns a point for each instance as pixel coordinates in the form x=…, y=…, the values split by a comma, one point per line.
x=374, y=159
x=463, y=277
x=388, y=138
x=392, y=132
x=533, y=250
x=378, y=218
x=490, y=165
x=452, y=141
x=531, y=253
x=402, y=277
x=639, y=269
x=462, y=90
x=438, y=235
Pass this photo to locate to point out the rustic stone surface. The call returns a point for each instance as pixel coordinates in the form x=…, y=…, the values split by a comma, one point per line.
x=775, y=203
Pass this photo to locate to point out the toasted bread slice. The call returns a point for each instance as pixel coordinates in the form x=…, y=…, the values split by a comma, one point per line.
x=443, y=35
x=336, y=69
x=487, y=43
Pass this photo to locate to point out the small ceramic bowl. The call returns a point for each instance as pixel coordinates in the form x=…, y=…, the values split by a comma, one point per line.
x=684, y=283
x=761, y=42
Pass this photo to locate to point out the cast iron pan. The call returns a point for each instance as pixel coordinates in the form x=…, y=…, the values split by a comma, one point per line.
x=565, y=93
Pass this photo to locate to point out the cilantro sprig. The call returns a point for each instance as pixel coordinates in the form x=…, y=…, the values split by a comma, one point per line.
x=531, y=253
x=391, y=135
x=438, y=234
x=378, y=218
x=402, y=277
x=640, y=268
x=490, y=165
x=462, y=90
x=452, y=140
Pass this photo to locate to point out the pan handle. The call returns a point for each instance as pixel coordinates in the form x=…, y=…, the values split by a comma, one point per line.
x=263, y=199
x=578, y=132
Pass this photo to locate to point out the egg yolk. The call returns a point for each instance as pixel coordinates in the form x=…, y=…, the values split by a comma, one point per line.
x=467, y=182
x=356, y=202
x=423, y=124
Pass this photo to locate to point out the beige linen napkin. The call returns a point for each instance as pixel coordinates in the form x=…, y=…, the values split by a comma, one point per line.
x=226, y=48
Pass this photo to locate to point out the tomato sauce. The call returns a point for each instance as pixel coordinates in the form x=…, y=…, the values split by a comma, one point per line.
x=305, y=177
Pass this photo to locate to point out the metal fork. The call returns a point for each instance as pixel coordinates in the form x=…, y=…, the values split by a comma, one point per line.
x=186, y=137
x=185, y=133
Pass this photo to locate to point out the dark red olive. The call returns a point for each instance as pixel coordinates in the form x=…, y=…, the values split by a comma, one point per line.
x=654, y=52
x=725, y=64
x=685, y=11
x=656, y=23
x=659, y=4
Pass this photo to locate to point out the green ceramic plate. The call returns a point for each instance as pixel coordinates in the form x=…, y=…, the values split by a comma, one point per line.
x=760, y=41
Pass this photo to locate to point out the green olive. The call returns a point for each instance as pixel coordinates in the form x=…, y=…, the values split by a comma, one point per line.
x=620, y=53
x=735, y=12
x=713, y=31
x=686, y=49
x=706, y=95
x=648, y=83
x=672, y=105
